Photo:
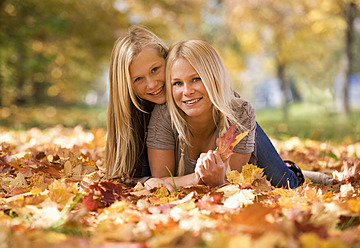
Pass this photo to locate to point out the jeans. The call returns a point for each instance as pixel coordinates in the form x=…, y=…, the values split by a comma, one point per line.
x=269, y=159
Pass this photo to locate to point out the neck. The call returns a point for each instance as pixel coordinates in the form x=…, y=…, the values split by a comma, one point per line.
x=204, y=127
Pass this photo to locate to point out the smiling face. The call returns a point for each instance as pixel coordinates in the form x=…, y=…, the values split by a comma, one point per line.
x=188, y=90
x=147, y=72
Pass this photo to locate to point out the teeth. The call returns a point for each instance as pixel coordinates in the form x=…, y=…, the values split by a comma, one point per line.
x=193, y=101
x=157, y=92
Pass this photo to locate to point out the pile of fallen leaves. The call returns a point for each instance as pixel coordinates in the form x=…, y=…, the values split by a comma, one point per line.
x=53, y=194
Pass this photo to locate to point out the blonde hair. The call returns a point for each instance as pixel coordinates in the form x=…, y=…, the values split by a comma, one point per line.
x=127, y=113
x=207, y=63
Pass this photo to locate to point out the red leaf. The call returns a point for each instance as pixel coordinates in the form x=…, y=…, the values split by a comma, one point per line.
x=228, y=141
x=90, y=203
x=102, y=194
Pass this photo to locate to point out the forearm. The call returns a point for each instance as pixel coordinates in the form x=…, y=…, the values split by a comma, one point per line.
x=186, y=180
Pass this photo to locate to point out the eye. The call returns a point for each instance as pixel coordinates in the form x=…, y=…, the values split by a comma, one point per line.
x=177, y=83
x=137, y=79
x=155, y=69
x=197, y=79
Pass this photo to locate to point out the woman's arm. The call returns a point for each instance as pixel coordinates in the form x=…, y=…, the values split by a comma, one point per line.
x=238, y=160
x=160, y=159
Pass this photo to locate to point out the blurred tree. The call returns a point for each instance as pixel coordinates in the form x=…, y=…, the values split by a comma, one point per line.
x=53, y=50
x=292, y=33
x=348, y=11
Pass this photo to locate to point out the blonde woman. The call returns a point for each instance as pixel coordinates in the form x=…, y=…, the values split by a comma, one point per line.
x=137, y=81
x=200, y=107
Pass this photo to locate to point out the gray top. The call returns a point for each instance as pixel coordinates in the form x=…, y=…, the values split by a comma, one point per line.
x=162, y=135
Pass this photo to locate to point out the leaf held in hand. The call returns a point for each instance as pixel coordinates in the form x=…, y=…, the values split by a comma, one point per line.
x=228, y=141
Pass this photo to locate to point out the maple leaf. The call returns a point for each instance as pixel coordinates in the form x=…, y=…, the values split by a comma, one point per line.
x=249, y=174
x=228, y=141
x=62, y=193
x=102, y=194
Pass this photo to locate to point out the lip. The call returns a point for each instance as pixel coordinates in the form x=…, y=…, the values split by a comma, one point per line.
x=192, y=101
x=157, y=92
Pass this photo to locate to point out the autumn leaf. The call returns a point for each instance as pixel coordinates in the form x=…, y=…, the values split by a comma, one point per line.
x=349, y=173
x=53, y=194
x=102, y=194
x=228, y=141
x=249, y=174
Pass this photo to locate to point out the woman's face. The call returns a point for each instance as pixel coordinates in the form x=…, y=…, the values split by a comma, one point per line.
x=188, y=90
x=147, y=72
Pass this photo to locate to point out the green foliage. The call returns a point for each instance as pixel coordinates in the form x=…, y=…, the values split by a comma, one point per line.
x=311, y=121
x=54, y=50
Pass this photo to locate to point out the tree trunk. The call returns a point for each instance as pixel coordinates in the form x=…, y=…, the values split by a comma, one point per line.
x=349, y=15
x=284, y=83
x=20, y=77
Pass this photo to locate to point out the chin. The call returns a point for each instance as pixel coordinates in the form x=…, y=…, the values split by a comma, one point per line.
x=161, y=100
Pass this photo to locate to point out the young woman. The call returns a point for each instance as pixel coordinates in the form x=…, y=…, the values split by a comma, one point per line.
x=137, y=79
x=201, y=106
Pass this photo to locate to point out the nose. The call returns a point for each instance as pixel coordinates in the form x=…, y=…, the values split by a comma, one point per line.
x=151, y=83
x=188, y=89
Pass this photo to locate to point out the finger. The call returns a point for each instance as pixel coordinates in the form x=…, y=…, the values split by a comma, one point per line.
x=211, y=156
x=199, y=161
x=209, y=164
x=169, y=186
x=202, y=155
x=201, y=171
x=218, y=157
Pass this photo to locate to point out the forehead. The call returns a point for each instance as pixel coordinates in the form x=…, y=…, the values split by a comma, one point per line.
x=181, y=65
x=144, y=60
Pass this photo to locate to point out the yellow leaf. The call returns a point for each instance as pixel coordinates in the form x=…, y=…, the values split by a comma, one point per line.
x=239, y=137
x=234, y=177
x=60, y=193
x=248, y=175
x=36, y=191
x=161, y=192
x=355, y=205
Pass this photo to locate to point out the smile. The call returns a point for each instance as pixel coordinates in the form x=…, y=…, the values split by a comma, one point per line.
x=192, y=101
x=157, y=92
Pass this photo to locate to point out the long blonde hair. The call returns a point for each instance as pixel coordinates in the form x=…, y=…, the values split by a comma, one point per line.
x=208, y=64
x=127, y=114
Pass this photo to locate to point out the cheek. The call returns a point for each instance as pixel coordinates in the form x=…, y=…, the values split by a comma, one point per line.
x=176, y=92
x=161, y=76
x=139, y=90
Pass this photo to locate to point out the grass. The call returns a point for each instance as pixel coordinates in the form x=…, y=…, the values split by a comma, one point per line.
x=305, y=121
x=311, y=122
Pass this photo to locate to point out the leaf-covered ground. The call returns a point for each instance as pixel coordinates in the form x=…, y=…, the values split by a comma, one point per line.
x=52, y=194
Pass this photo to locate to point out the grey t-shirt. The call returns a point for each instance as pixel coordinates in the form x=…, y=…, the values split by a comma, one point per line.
x=162, y=135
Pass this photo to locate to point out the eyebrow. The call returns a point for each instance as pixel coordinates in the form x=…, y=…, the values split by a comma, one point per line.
x=191, y=76
x=152, y=66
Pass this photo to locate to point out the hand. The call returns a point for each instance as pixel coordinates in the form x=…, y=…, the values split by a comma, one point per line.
x=211, y=169
x=156, y=182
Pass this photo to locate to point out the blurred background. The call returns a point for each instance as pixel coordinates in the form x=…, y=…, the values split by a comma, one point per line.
x=296, y=61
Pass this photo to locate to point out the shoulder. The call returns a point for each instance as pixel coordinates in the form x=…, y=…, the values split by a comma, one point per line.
x=160, y=132
x=242, y=107
x=160, y=111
